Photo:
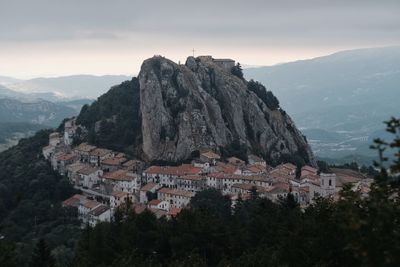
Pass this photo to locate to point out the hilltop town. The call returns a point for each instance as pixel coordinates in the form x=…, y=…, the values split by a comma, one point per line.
x=108, y=179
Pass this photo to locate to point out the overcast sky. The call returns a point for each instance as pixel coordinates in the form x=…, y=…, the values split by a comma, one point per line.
x=62, y=37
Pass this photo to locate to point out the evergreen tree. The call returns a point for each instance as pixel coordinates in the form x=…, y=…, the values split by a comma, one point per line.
x=41, y=256
x=237, y=71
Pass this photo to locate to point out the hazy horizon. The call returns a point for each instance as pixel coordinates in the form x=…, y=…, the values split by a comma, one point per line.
x=244, y=65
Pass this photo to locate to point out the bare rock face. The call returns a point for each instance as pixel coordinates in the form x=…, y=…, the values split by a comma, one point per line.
x=200, y=105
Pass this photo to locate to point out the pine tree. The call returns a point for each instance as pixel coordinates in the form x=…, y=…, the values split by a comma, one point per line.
x=41, y=256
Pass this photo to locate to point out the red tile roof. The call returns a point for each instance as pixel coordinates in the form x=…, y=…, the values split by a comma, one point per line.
x=154, y=202
x=113, y=161
x=176, y=192
x=185, y=169
x=118, y=175
x=65, y=157
x=148, y=187
x=73, y=201
x=173, y=212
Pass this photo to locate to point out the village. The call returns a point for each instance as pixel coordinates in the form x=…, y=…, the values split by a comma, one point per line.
x=108, y=179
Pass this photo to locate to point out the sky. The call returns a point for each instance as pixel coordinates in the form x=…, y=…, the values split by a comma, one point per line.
x=45, y=38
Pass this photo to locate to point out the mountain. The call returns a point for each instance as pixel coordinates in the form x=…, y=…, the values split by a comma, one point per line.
x=5, y=92
x=37, y=112
x=180, y=109
x=349, y=93
x=12, y=132
x=4, y=80
x=75, y=86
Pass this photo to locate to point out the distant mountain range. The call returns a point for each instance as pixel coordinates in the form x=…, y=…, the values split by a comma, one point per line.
x=66, y=87
x=29, y=105
x=340, y=100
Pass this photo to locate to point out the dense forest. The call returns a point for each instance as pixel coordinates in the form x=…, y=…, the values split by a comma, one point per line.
x=112, y=121
x=351, y=231
x=30, y=197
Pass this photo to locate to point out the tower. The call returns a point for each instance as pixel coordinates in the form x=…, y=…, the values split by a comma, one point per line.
x=328, y=184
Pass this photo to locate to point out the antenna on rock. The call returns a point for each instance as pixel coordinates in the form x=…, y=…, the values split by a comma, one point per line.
x=193, y=51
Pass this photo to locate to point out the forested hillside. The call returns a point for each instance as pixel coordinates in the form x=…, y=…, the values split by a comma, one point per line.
x=30, y=203
x=355, y=230
x=117, y=116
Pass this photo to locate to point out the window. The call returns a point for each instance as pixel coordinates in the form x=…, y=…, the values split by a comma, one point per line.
x=330, y=182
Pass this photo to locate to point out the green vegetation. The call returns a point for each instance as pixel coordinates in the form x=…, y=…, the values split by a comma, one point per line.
x=8, y=129
x=352, y=231
x=30, y=203
x=113, y=120
x=266, y=96
x=237, y=70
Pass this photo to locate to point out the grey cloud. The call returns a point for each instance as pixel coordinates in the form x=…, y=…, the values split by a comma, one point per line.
x=312, y=22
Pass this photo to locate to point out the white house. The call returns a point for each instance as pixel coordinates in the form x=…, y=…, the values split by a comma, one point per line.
x=98, y=155
x=89, y=176
x=118, y=197
x=166, y=175
x=101, y=213
x=148, y=188
x=122, y=180
x=176, y=198
x=158, y=204
x=85, y=207
x=192, y=183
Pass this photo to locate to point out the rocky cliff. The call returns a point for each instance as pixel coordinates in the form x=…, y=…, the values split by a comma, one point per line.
x=200, y=105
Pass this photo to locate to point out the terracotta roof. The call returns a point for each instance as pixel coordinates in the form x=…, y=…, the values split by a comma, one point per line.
x=85, y=147
x=185, y=169
x=192, y=177
x=119, y=194
x=289, y=166
x=65, y=157
x=148, y=187
x=279, y=188
x=120, y=175
x=90, y=204
x=73, y=201
x=99, y=210
x=87, y=170
x=113, y=161
x=176, y=192
x=154, y=202
x=119, y=155
x=255, y=168
x=310, y=176
x=226, y=168
x=174, y=212
x=100, y=152
x=309, y=168
x=159, y=213
x=221, y=175
x=249, y=187
x=139, y=208
x=236, y=161
x=76, y=166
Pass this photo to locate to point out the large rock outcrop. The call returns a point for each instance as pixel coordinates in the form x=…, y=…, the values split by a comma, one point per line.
x=200, y=105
